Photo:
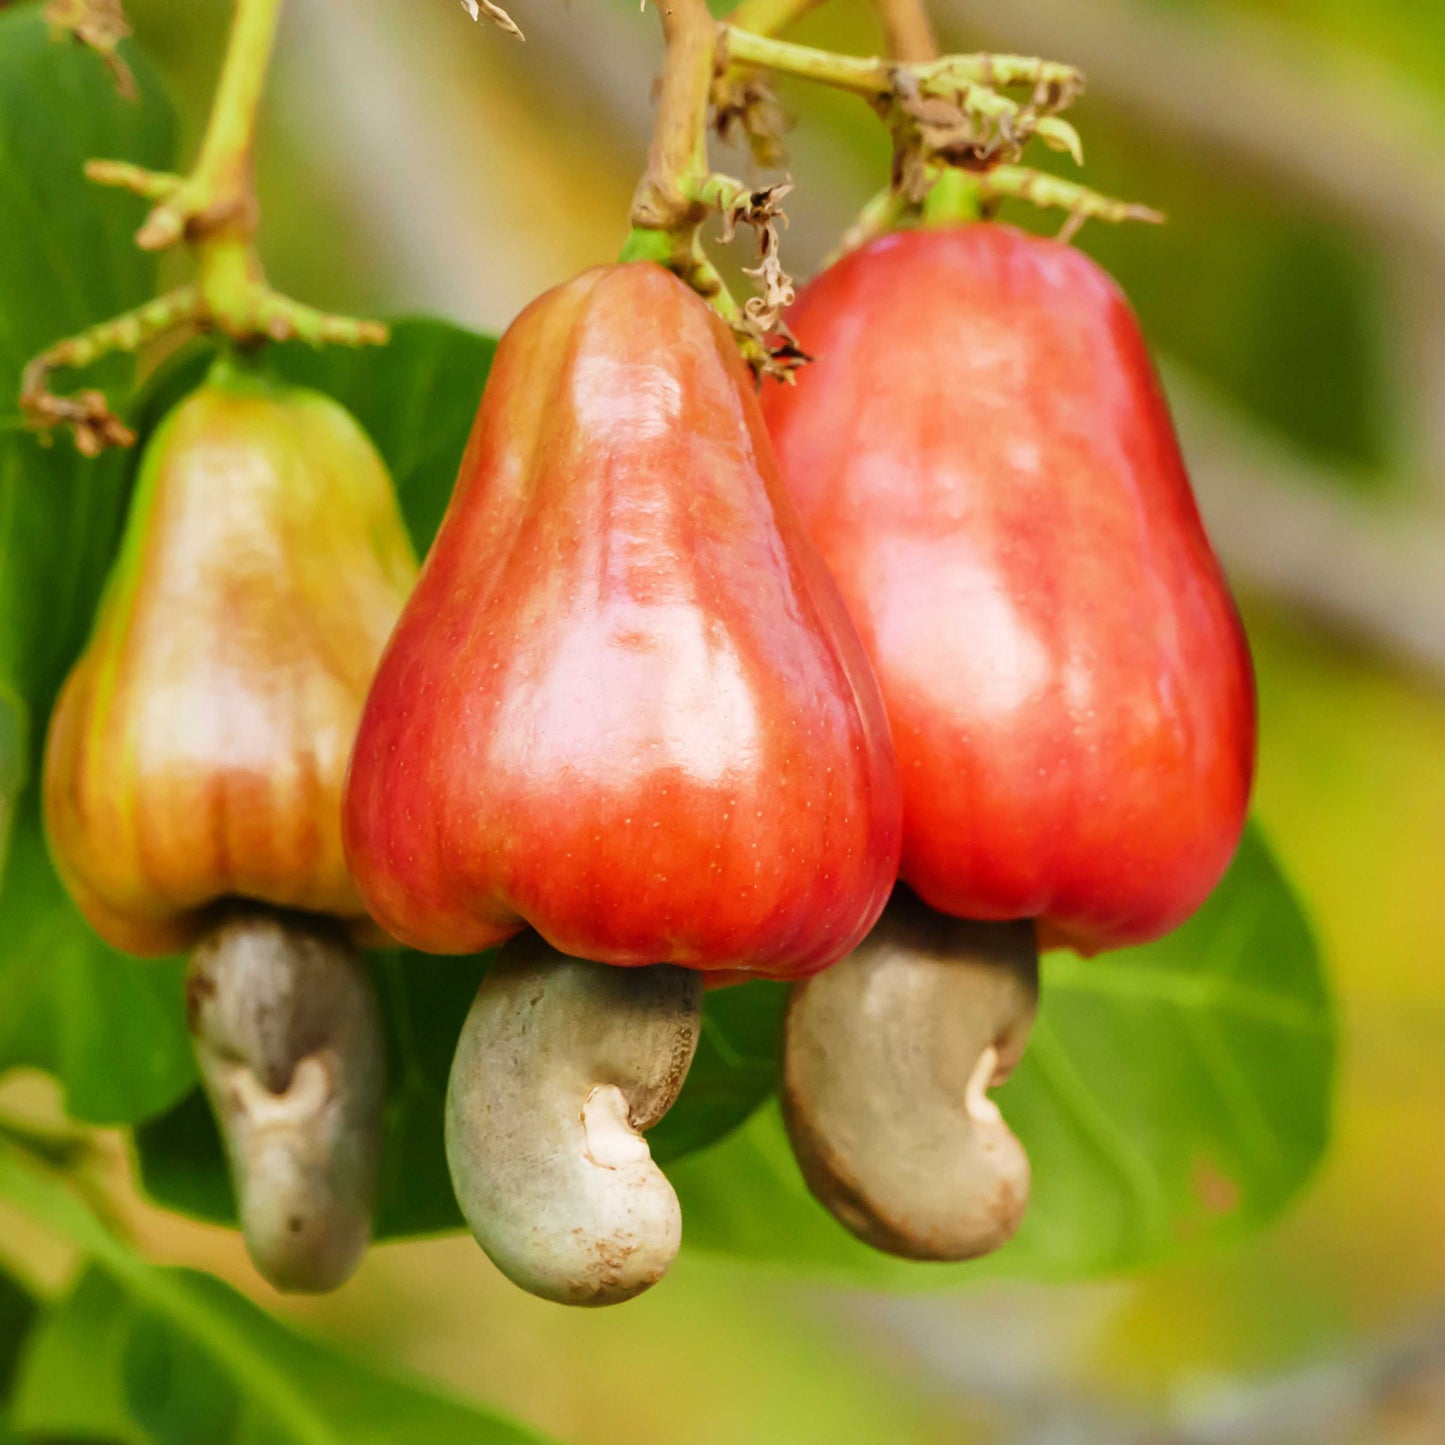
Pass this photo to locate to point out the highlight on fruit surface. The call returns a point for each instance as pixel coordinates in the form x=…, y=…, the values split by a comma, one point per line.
x=887, y=1060
x=293, y=1059
x=561, y=1067
x=193, y=777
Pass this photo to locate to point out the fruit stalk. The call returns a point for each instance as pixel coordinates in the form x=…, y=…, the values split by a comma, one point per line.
x=678, y=191
x=877, y=78
x=677, y=157
x=220, y=192
x=215, y=210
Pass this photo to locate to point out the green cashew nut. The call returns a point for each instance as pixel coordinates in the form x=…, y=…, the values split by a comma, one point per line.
x=561, y=1066
x=292, y=1055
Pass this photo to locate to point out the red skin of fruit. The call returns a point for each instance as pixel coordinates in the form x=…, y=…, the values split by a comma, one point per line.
x=625, y=703
x=984, y=456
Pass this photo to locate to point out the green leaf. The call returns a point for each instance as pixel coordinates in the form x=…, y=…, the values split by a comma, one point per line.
x=14, y=764
x=106, y=1025
x=1182, y=1090
x=733, y=1073
x=166, y=1356
x=1172, y=1096
x=425, y=999
x=175, y=1391
x=51, y=1395
x=416, y=398
x=68, y=261
x=17, y=1315
x=110, y=1027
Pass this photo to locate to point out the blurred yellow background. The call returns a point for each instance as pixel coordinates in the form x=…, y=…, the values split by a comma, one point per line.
x=414, y=161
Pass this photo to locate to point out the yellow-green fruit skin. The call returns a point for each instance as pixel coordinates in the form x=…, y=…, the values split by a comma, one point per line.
x=198, y=749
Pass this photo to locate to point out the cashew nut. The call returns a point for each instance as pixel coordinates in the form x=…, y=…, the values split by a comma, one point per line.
x=289, y=1041
x=886, y=1059
x=560, y=1067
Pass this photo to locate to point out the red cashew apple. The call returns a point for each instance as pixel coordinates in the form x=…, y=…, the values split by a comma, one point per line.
x=983, y=455
x=625, y=705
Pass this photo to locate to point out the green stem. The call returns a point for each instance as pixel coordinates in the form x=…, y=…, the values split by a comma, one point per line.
x=887, y=211
x=214, y=208
x=153, y=185
x=876, y=78
x=863, y=76
x=225, y=159
x=127, y=332
x=644, y=243
x=218, y=200
x=955, y=198
x=95, y=426
x=1040, y=189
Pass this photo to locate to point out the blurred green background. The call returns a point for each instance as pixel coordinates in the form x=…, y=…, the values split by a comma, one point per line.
x=414, y=161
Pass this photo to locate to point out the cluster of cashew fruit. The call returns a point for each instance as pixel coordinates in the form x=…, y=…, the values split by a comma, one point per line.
x=875, y=686
x=624, y=707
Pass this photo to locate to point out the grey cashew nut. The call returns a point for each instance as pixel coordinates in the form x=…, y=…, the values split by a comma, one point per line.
x=561, y=1065
x=292, y=1055
x=886, y=1060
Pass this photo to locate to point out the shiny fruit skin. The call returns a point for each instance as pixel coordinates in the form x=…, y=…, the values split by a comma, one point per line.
x=984, y=457
x=199, y=746
x=625, y=704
